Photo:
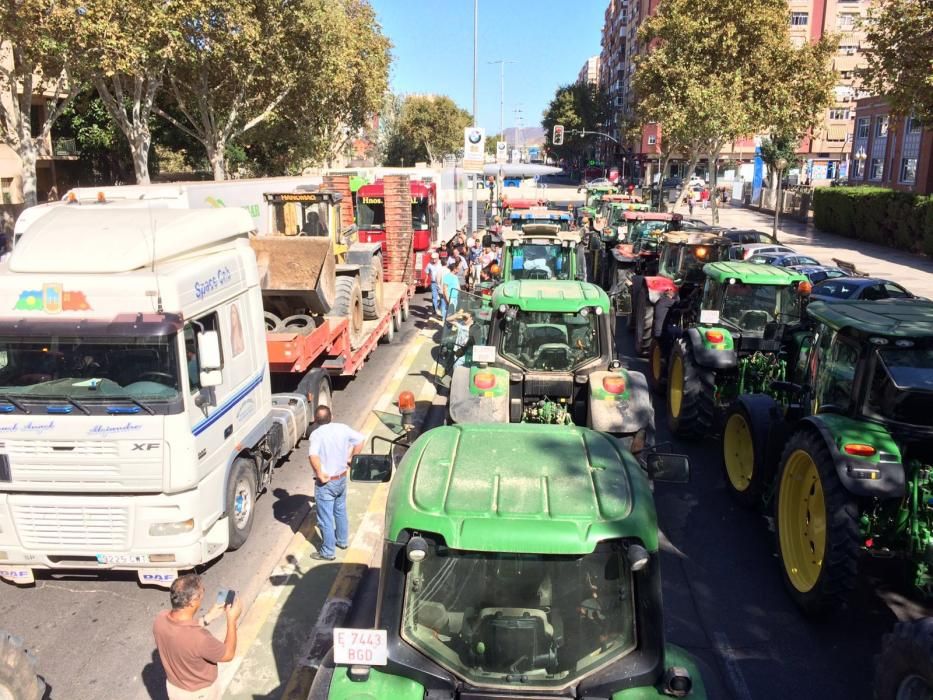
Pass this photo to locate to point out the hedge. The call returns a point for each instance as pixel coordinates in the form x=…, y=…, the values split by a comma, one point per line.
x=877, y=215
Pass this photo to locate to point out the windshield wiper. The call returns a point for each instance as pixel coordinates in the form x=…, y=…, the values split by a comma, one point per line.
x=13, y=402
x=77, y=404
x=143, y=406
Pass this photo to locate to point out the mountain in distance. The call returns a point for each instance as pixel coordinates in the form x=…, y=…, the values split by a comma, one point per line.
x=528, y=136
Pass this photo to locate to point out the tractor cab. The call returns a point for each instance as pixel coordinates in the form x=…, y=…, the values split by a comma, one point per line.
x=305, y=213
x=518, y=219
x=540, y=251
x=612, y=214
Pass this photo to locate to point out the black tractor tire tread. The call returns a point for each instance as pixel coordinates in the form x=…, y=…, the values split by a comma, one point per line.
x=698, y=407
x=18, y=669
x=906, y=651
x=644, y=325
x=840, y=559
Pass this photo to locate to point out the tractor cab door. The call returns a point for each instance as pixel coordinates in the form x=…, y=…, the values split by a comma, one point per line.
x=833, y=362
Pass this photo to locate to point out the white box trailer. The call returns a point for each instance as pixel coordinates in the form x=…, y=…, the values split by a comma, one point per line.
x=137, y=423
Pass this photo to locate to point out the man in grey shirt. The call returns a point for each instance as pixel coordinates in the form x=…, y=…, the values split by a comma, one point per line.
x=330, y=449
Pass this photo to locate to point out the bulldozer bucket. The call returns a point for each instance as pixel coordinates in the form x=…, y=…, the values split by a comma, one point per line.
x=297, y=272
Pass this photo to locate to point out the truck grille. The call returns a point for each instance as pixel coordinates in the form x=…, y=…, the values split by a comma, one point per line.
x=82, y=448
x=51, y=526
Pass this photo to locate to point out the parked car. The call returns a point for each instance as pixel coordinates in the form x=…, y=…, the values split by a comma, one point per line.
x=748, y=236
x=866, y=288
x=598, y=182
x=747, y=250
x=783, y=259
x=818, y=273
x=694, y=225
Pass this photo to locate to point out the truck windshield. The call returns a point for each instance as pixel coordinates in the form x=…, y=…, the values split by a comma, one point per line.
x=536, y=261
x=902, y=386
x=520, y=620
x=88, y=368
x=550, y=342
x=749, y=307
x=371, y=213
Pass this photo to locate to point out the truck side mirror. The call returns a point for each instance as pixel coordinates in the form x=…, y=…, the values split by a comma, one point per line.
x=668, y=467
x=371, y=468
x=210, y=361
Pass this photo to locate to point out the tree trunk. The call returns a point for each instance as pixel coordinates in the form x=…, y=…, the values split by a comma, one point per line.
x=216, y=153
x=714, y=179
x=662, y=165
x=28, y=152
x=139, y=146
x=691, y=166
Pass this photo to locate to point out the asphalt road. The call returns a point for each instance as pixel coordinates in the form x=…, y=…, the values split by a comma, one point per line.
x=93, y=636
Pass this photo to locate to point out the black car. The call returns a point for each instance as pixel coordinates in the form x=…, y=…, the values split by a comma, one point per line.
x=748, y=236
x=867, y=288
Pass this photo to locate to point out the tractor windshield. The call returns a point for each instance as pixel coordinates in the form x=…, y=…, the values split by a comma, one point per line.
x=520, y=620
x=749, y=307
x=902, y=386
x=538, y=261
x=550, y=342
x=643, y=229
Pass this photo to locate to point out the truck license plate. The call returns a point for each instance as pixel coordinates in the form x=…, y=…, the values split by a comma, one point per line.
x=364, y=647
x=121, y=559
x=17, y=574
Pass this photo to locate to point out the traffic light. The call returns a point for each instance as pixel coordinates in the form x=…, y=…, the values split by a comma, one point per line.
x=558, y=138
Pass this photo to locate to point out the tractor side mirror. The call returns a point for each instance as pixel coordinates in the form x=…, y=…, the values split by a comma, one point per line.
x=371, y=469
x=668, y=467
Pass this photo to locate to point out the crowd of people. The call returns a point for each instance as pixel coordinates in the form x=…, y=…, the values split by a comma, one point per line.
x=470, y=264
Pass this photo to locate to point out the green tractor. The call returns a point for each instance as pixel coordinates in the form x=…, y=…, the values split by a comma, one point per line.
x=845, y=448
x=542, y=252
x=679, y=277
x=517, y=561
x=549, y=357
x=727, y=341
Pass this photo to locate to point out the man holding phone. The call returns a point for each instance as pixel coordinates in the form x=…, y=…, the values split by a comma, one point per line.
x=189, y=652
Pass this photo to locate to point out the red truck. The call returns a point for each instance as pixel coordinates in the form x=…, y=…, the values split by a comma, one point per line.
x=371, y=217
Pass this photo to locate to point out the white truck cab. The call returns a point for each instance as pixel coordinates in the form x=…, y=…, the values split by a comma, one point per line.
x=137, y=424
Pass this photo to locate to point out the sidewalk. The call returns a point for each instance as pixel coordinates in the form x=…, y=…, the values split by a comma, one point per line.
x=915, y=272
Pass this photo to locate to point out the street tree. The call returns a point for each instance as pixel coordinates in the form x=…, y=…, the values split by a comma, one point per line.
x=899, y=54
x=324, y=63
x=576, y=107
x=427, y=128
x=38, y=56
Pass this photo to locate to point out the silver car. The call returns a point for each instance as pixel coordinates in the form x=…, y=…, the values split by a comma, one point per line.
x=747, y=250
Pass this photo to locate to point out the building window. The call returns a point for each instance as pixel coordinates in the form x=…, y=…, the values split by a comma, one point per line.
x=861, y=128
x=913, y=125
x=847, y=74
x=846, y=21
x=799, y=19
x=848, y=49
x=908, y=170
x=876, y=170
x=881, y=127
x=838, y=113
x=652, y=140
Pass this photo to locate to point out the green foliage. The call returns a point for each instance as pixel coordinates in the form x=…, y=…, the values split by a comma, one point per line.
x=899, y=51
x=427, y=128
x=575, y=106
x=877, y=215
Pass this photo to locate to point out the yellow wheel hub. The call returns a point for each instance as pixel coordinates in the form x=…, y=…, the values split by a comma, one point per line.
x=656, y=363
x=739, y=452
x=802, y=521
x=675, y=396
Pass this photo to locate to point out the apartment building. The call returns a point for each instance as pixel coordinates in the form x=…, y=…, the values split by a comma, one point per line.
x=589, y=73
x=827, y=151
x=612, y=78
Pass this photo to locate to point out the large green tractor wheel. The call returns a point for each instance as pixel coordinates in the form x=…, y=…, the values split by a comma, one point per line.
x=816, y=521
x=904, y=668
x=691, y=391
x=656, y=374
x=744, y=457
x=644, y=322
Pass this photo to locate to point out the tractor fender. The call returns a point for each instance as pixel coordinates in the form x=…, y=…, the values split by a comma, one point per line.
x=661, y=310
x=362, y=254
x=659, y=287
x=486, y=403
x=707, y=355
x=627, y=411
x=890, y=479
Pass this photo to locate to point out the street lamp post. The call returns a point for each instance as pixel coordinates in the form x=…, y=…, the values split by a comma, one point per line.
x=779, y=165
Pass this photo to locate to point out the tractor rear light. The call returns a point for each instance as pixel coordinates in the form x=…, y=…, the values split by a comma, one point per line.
x=804, y=288
x=484, y=380
x=859, y=450
x=406, y=401
x=614, y=384
x=714, y=336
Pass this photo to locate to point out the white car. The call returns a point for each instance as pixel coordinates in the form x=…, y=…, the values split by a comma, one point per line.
x=747, y=250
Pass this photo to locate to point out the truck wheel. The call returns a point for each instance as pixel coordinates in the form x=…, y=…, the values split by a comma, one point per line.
x=656, y=376
x=816, y=521
x=373, y=301
x=691, y=406
x=348, y=303
x=18, y=678
x=743, y=458
x=904, y=668
x=315, y=387
x=241, y=501
x=644, y=324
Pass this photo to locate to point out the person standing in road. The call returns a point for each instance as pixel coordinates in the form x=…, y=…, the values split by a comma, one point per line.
x=704, y=198
x=330, y=449
x=450, y=288
x=190, y=653
x=436, y=272
x=690, y=196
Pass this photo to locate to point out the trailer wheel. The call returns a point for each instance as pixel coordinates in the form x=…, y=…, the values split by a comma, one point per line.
x=389, y=335
x=273, y=322
x=904, y=668
x=373, y=301
x=348, y=304
x=405, y=310
x=241, y=501
x=18, y=677
x=397, y=320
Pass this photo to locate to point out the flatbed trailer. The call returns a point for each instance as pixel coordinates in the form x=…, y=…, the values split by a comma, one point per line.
x=327, y=345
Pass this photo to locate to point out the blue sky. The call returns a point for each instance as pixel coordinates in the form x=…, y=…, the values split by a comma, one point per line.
x=433, y=50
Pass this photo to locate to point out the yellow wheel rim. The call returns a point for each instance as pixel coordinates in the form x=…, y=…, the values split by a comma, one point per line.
x=802, y=521
x=675, y=396
x=656, y=362
x=739, y=452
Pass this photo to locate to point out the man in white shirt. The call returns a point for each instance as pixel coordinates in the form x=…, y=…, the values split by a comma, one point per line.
x=436, y=272
x=330, y=449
